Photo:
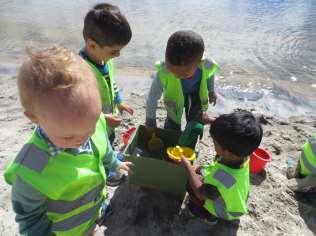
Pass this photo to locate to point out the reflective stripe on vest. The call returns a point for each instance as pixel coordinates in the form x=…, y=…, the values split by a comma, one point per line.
x=39, y=160
x=75, y=220
x=226, y=179
x=220, y=208
x=61, y=206
x=308, y=157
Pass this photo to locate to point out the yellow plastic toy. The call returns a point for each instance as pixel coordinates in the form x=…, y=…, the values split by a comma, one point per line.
x=155, y=143
x=175, y=153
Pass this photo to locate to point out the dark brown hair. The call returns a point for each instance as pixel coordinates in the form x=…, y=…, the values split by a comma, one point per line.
x=184, y=47
x=107, y=26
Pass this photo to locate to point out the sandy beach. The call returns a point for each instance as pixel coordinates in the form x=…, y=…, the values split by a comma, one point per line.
x=273, y=208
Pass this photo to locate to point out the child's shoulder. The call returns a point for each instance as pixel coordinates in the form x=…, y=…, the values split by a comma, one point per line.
x=33, y=149
x=209, y=62
x=32, y=155
x=206, y=169
x=160, y=64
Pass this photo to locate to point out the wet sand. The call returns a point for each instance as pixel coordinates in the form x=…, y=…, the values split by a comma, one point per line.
x=288, y=116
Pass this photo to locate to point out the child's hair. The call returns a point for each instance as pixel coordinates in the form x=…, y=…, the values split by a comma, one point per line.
x=107, y=26
x=238, y=132
x=184, y=47
x=55, y=69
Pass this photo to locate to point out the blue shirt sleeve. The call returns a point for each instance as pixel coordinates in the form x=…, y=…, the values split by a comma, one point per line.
x=111, y=161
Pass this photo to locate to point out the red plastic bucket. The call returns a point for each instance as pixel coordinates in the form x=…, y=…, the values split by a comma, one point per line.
x=128, y=134
x=258, y=160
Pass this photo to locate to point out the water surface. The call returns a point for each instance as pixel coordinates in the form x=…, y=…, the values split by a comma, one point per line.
x=274, y=39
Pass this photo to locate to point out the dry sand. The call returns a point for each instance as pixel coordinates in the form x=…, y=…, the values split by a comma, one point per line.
x=273, y=208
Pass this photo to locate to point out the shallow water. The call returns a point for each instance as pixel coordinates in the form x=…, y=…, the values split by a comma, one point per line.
x=276, y=100
x=274, y=39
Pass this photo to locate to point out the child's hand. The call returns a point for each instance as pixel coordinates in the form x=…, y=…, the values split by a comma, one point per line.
x=124, y=107
x=206, y=119
x=212, y=97
x=126, y=165
x=112, y=120
x=98, y=230
x=184, y=161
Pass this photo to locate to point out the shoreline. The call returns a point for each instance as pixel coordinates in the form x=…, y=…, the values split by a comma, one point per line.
x=283, y=99
x=280, y=98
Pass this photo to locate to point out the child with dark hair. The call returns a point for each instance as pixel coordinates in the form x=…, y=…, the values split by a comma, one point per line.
x=106, y=31
x=220, y=190
x=185, y=80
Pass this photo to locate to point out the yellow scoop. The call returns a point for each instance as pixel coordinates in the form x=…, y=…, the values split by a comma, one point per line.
x=155, y=143
x=175, y=153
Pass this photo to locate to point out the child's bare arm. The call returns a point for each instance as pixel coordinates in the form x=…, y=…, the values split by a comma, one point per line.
x=112, y=120
x=127, y=166
x=112, y=161
x=194, y=180
x=201, y=190
x=125, y=107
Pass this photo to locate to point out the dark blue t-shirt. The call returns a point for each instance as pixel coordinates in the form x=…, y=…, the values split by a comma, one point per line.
x=192, y=85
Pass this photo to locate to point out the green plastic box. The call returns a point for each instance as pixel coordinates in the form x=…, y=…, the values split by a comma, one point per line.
x=154, y=170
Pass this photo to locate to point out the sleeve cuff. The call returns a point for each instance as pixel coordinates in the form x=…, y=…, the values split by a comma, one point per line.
x=116, y=164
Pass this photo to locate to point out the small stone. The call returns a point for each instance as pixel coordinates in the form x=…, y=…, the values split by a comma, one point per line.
x=267, y=133
x=283, y=123
x=277, y=149
x=293, y=78
x=286, y=137
x=263, y=120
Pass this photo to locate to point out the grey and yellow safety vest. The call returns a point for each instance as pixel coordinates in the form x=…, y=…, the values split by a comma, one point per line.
x=173, y=93
x=233, y=186
x=73, y=184
x=106, y=90
x=308, y=157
